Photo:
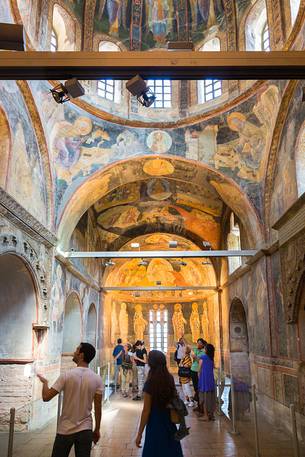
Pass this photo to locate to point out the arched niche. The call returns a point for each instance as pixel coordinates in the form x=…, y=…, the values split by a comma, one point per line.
x=300, y=161
x=301, y=318
x=239, y=342
x=233, y=244
x=64, y=27
x=255, y=24
x=91, y=325
x=18, y=308
x=72, y=335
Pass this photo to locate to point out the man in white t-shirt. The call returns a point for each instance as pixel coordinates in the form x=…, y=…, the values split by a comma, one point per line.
x=81, y=387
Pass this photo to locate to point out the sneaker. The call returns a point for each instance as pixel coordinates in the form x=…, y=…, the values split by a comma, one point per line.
x=191, y=404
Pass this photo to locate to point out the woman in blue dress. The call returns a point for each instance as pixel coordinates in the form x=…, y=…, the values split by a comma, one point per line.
x=206, y=387
x=159, y=390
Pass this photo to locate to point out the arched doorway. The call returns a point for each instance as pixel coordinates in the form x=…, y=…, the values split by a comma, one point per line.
x=18, y=312
x=239, y=342
x=72, y=334
x=91, y=325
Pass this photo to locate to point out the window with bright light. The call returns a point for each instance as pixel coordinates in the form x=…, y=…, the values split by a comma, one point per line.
x=294, y=9
x=233, y=244
x=109, y=88
x=162, y=88
x=158, y=329
x=54, y=41
x=265, y=38
x=208, y=89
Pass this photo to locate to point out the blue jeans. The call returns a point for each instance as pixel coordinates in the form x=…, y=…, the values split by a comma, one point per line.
x=82, y=443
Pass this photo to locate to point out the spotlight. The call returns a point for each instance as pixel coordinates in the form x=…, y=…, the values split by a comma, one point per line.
x=206, y=263
x=135, y=245
x=109, y=263
x=206, y=244
x=173, y=244
x=138, y=88
x=64, y=92
x=143, y=263
x=12, y=37
x=158, y=283
x=182, y=263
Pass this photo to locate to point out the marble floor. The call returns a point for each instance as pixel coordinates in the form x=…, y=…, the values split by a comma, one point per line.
x=119, y=427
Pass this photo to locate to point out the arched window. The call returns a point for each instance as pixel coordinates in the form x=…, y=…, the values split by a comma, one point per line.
x=233, y=244
x=294, y=9
x=64, y=29
x=257, y=35
x=109, y=88
x=54, y=41
x=265, y=38
x=158, y=328
x=208, y=89
x=162, y=88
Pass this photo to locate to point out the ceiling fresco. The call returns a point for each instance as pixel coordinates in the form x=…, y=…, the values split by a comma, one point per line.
x=171, y=272
x=160, y=204
x=234, y=143
x=146, y=24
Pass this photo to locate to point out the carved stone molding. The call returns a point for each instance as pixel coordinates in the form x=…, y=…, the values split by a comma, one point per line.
x=13, y=244
x=20, y=217
x=293, y=272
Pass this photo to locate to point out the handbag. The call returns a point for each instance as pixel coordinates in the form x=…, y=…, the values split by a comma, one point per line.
x=184, y=372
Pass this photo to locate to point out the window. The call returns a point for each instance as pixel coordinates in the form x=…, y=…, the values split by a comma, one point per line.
x=257, y=36
x=294, y=9
x=54, y=41
x=265, y=38
x=158, y=329
x=233, y=244
x=211, y=89
x=105, y=89
x=162, y=88
x=109, y=88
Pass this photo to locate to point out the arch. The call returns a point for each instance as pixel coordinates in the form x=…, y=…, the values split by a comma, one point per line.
x=105, y=180
x=91, y=330
x=239, y=342
x=300, y=161
x=64, y=26
x=294, y=10
x=18, y=308
x=255, y=23
x=72, y=334
x=5, y=147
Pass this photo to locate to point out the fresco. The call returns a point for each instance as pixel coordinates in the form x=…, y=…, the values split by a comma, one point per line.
x=285, y=190
x=151, y=23
x=25, y=179
x=5, y=145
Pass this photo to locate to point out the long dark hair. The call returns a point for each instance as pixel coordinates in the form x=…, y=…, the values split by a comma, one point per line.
x=210, y=350
x=160, y=383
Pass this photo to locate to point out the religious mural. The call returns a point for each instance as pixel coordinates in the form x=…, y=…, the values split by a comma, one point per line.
x=25, y=179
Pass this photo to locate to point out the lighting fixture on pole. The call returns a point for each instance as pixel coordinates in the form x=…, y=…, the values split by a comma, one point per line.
x=109, y=263
x=206, y=245
x=138, y=88
x=173, y=244
x=135, y=245
x=70, y=89
x=143, y=263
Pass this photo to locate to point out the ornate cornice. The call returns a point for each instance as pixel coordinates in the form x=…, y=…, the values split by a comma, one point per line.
x=20, y=217
x=273, y=154
x=75, y=272
x=42, y=144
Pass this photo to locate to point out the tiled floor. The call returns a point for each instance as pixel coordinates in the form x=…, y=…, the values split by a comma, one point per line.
x=119, y=428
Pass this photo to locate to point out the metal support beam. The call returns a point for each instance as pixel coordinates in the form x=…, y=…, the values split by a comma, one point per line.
x=156, y=288
x=160, y=64
x=156, y=254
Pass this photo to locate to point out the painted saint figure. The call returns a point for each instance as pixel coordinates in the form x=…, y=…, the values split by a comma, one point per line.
x=114, y=323
x=123, y=322
x=178, y=322
x=195, y=322
x=139, y=323
x=205, y=322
